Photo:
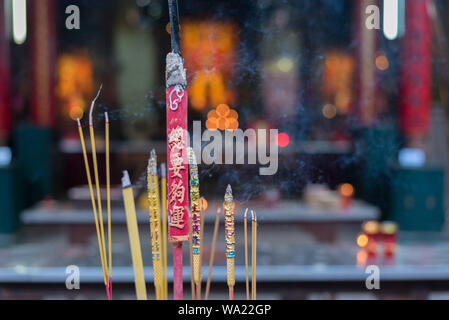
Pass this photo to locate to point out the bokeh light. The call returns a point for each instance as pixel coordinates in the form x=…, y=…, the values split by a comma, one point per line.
x=283, y=140
x=382, y=63
x=329, y=111
x=362, y=240
x=347, y=190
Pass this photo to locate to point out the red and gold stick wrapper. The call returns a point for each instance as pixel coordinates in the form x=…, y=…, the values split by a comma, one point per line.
x=178, y=202
x=196, y=221
x=230, y=240
x=155, y=225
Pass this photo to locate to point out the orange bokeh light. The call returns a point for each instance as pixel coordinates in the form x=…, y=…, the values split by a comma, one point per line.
x=382, y=63
x=223, y=118
x=362, y=240
x=347, y=190
x=203, y=203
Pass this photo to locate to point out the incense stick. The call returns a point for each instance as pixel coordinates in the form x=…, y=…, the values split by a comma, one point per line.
x=97, y=180
x=134, y=240
x=230, y=240
x=155, y=226
x=195, y=221
x=108, y=192
x=192, y=276
x=203, y=216
x=254, y=254
x=94, y=206
x=245, y=227
x=164, y=229
x=212, y=253
x=176, y=111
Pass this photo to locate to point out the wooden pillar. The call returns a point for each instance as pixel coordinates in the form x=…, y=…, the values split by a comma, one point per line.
x=43, y=60
x=366, y=47
x=415, y=85
x=5, y=101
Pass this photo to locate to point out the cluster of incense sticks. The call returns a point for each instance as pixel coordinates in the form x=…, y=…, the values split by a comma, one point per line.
x=253, y=254
x=106, y=260
x=177, y=224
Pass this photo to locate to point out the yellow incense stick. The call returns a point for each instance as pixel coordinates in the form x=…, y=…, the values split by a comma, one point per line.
x=108, y=192
x=245, y=227
x=254, y=254
x=164, y=229
x=134, y=241
x=230, y=240
x=212, y=253
x=155, y=226
x=92, y=197
x=97, y=180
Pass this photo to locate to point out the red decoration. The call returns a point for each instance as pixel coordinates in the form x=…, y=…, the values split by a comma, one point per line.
x=177, y=173
x=5, y=107
x=43, y=62
x=416, y=70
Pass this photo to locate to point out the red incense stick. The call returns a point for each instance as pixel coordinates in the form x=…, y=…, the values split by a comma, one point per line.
x=177, y=174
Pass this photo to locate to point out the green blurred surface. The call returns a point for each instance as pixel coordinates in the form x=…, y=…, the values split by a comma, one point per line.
x=33, y=156
x=10, y=194
x=417, y=198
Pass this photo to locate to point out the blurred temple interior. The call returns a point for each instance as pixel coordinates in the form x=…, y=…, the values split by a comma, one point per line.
x=363, y=135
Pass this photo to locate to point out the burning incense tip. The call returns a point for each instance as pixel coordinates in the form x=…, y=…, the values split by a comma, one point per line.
x=152, y=163
x=78, y=121
x=253, y=215
x=126, y=182
x=246, y=211
x=106, y=117
x=229, y=191
x=92, y=105
x=175, y=72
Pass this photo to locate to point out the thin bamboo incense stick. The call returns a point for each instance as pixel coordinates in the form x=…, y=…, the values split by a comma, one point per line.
x=230, y=240
x=108, y=192
x=212, y=253
x=192, y=277
x=97, y=180
x=164, y=229
x=245, y=227
x=203, y=215
x=134, y=240
x=94, y=206
x=155, y=226
x=196, y=221
x=254, y=254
